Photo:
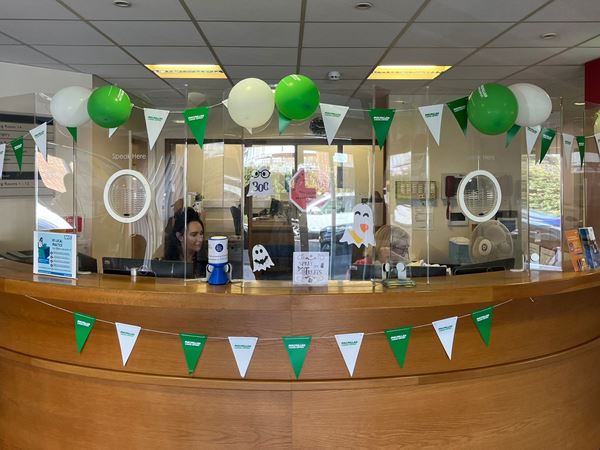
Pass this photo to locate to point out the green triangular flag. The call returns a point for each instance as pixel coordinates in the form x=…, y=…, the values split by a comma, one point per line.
x=17, y=146
x=297, y=347
x=581, y=146
x=398, y=340
x=197, y=118
x=193, y=344
x=283, y=123
x=459, y=110
x=83, y=328
x=547, y=138
x=511, y=133
x=73, y=132
x=382, y=120
x=483, y=321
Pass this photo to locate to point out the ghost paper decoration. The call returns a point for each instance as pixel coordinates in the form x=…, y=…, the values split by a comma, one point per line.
x=260, y=183
x=361, y=231
x=260, y=258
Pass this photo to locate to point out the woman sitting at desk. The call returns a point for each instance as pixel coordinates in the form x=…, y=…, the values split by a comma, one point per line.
x=185, y=240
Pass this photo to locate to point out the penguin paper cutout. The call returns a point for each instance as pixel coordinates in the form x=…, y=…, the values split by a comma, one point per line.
x=361, y=231
x=260, y=258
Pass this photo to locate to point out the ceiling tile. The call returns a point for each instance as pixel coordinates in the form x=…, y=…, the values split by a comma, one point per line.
x=21, y=54
x=435, y=56
x=199, y=84
x=340, y=56
x=529, y=35
x=139, y=10
x=83, y=55
x=510, y=56
x=592, y=43
x=341, y=85
x=249, y=56
x=450, y=34
x=244, y=10
x=251, y=34
x=358, y=34
x=552, y=73
x=575, y=56
x=478, y=11
x=52, y=32
x=262, y=72
x=348, y=73
x=344, y=11
x=151, y=33
x=116, y=70
x=136, y=84
x=394, y=86
x=34, y=9
x=334, y=99
x=456, y=85
x=172, y=55
x=479, y=72
x=5, y=40
x=569, y=10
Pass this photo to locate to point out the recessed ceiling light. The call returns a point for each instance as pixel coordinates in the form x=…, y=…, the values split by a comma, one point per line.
x=363, y=6
x=548, y=36
x=579, y=103
x=407, y=72
x=122, y=3
x=211, y=71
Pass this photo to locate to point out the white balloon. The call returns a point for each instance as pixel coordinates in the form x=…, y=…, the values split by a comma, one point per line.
x=251, y=103
x=534, y=103
x=69, y=106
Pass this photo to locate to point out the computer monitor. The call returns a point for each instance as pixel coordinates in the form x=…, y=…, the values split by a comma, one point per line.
x=151, y=268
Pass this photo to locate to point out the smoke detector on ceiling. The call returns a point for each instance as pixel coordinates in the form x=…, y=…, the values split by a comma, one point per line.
x=334, y=75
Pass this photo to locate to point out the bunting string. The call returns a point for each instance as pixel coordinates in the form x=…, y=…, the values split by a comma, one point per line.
x=262, y=338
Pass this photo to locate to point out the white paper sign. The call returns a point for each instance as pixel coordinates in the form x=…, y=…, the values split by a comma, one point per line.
x=445, y=330
x=531, y=135
x=155, y=121
x=243, y=348
x=333, y=116
x=432, y=115
x=128, y=335
x=40, y=136
x=2, y=153
x=260, y=258
x=349, y=345
x=111, y=131
x=260, y=183
x=311, y=268
x=55, y=254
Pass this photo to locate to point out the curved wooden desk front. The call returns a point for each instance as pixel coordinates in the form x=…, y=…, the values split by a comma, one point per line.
x=535, y=386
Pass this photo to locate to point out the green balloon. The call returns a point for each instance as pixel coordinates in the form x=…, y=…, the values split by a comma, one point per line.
x=297, y=97
x=109, y=106
x=492, y=108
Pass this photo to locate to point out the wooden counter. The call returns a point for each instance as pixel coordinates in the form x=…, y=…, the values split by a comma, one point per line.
x=535, y=386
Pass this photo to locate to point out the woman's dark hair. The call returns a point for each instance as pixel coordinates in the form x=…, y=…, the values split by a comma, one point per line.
x=178, y=224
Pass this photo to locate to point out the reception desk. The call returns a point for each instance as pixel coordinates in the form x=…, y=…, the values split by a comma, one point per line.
x=535, y=386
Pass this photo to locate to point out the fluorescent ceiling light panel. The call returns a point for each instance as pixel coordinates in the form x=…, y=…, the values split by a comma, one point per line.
x=407, y=72
x=211, y=71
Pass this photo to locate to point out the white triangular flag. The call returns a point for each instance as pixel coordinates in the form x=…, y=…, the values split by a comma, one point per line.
x=531, y=135
x=568, y=145
x=349, y=345
x=597, y=137
x=432, y=115
x=127, y=334
x=40, y=135
x=111, y=131
x=333, y=116
x=155, y=121
x=243, y=348
x=445, y=330
x=2, y=153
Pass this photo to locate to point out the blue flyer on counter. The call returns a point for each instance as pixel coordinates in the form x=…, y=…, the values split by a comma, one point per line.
x=55, y=254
